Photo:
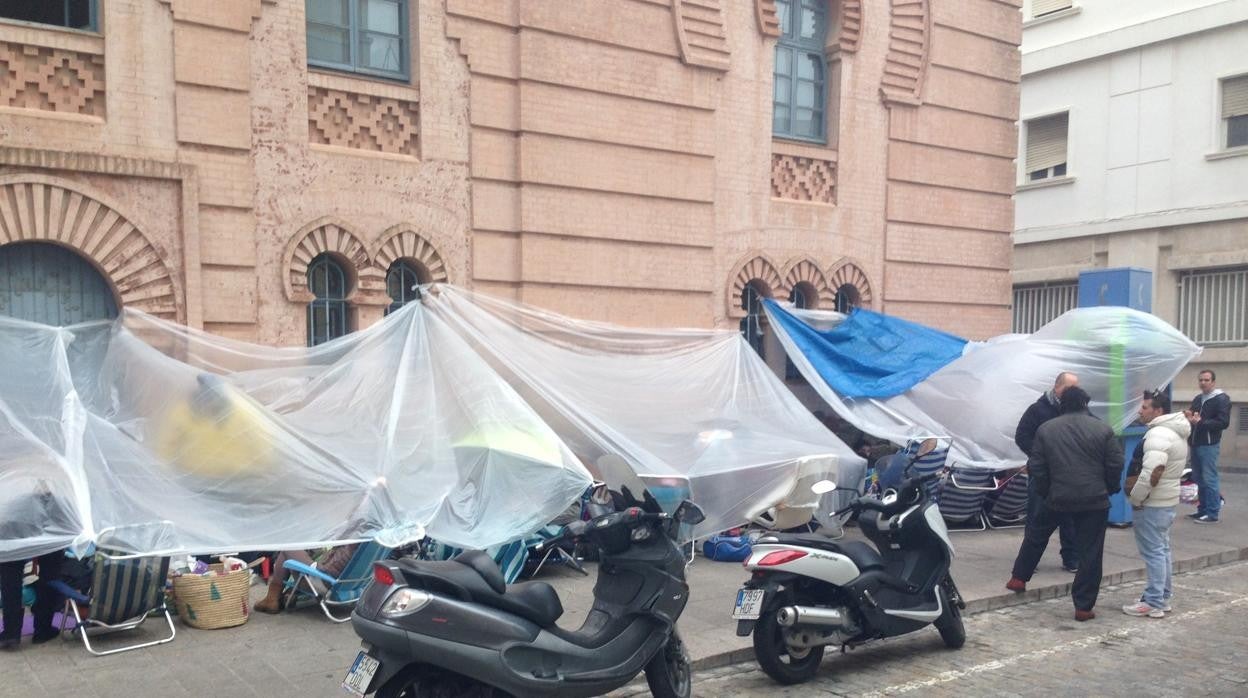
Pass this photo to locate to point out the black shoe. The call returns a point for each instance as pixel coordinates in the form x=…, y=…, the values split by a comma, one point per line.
x=42, y=636
x=1194, y=515
x=1069, y=567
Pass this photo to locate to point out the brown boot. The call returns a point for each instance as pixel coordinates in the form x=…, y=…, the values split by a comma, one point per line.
x=272, y=603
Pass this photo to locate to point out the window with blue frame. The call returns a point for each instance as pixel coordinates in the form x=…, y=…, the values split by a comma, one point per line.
x=401, y=281
x=328, y=313
x=359, y=36
x=752, y=323
x=71, y=14
x=800, y=78
x=800, y=298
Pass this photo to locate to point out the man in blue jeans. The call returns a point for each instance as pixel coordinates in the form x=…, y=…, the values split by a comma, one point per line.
x=1154, y=493
x=1209, y=414
x=1039, y=412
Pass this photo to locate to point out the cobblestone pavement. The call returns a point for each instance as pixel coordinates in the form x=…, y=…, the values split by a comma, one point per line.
x=1039, y=650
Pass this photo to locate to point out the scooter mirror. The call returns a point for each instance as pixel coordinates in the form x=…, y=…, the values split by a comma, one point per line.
x=823, y=487
x=689, y=513
x=926, y=447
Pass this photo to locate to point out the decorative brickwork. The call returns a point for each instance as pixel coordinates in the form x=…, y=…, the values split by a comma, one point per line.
x=44, y=209
x=765, y=13
x=700, y=31
x=908, y=45
x=326, y=235
x=847, y=271
x=806, y=272
x=851, y=25
x=755, y=266
x=364, y=122
x=803, y=179
x=51, y=79
x=407, y=244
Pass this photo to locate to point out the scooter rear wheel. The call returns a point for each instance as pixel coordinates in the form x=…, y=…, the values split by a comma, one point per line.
x=779, y=661
x=668, y=673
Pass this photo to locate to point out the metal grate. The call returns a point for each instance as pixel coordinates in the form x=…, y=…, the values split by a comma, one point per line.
x=1243, y=420
x=1213, y=306
x=1036, y=306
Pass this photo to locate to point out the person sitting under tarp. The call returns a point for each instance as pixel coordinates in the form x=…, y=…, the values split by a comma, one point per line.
x=27, y=507
x=331, y=561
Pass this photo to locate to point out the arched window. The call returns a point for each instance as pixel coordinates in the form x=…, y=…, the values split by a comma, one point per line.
x=752, y=324
x=799, y=80
x=328, y=313
x=46, y=283
x=401, y=281
x=801, y=297
x=847, y=298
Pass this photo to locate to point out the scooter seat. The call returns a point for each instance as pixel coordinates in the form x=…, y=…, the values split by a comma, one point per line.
x=861, y=554
x=474, y=574
x=485, y=566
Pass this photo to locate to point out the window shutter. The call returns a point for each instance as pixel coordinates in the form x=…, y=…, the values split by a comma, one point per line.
x=1044, y=7
x=1235, y=97
x=1046, y=142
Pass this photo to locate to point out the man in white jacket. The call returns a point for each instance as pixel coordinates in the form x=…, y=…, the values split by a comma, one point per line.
x=1155, y=495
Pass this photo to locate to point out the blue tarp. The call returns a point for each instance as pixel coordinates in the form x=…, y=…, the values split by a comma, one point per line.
x=870, y=354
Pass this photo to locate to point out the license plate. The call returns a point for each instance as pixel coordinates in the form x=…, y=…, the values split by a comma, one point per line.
x=361, y=674
x=749, y=604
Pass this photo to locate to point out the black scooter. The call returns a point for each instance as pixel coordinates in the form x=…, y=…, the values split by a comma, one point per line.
x=807, y=591
x=454, y=628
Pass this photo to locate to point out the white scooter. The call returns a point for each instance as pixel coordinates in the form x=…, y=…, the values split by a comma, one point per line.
x=807, y=592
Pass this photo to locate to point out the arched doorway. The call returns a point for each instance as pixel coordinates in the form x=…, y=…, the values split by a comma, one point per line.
x=50, y=284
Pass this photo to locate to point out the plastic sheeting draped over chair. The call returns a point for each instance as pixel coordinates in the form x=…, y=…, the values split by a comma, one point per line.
x=978, y=398
x=383, y=434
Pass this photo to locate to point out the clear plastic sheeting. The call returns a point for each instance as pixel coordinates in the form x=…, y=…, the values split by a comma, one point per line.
x=473, y=419
x=176, y=440
x=686, y=413
x=978, y=398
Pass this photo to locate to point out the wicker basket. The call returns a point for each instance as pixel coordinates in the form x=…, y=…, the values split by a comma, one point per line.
x=213, y=601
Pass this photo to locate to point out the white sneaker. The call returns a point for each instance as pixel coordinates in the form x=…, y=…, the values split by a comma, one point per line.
x=1165, y=605
x=1140, y=608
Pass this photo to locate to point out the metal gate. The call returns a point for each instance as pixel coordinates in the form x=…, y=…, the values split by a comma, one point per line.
x=50, y=284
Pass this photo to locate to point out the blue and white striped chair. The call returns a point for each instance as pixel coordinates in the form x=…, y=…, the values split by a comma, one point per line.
x=962, y=497
x=1009, y=510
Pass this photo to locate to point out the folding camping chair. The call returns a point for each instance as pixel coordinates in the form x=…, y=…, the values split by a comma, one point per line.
x=125, y=590
x=962, y=497
x=553, y=554
x=341, y=591
x=1010, y=508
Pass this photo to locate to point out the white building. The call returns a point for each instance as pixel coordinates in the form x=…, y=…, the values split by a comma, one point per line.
x=1133, y=151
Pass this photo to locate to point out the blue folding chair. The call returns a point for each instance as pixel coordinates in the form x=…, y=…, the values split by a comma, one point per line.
x=125, y=591
x=341, y=591
x=1010, y=508
x=962, y=497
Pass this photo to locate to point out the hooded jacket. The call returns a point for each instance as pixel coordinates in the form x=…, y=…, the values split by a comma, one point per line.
x=1038, y=412
x=1215, y=415
x=1165, y=444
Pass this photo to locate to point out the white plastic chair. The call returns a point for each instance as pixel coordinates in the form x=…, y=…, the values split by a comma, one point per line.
x=797, y=507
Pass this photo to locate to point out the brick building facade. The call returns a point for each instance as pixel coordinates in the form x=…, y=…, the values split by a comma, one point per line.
x=613, y=159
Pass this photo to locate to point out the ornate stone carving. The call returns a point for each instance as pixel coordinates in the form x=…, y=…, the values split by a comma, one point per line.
x=754, y=266
x=700, y=32
x=851, y=25
x=768, y=21
x=43, y=209
x=803, y=179
x=364, y=122
x=51, y=79
x=805, y=271
x=847, y=271
x=908, y=43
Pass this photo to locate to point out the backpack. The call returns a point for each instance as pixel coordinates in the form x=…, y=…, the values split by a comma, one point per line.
x=726, y=548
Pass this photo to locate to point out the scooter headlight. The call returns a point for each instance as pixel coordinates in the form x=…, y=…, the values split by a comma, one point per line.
x=405, y=601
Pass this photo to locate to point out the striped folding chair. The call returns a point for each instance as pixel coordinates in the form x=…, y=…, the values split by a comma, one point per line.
x=931, y=462
x=962, y=498
x=125, y=590
x=1010, y=508
x=333, y=593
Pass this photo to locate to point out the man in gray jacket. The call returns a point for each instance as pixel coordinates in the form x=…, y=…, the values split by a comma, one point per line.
x=1077, y=464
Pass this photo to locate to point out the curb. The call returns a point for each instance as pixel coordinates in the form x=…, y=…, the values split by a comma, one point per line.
x=993, y=603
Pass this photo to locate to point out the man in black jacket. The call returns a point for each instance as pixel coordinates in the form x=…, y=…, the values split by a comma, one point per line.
x=1076, y=463
x=1039, y=412
x=1210, y=413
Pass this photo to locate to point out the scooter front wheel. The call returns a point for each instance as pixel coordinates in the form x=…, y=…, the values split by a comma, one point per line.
x=952, y=629
x=668, y=673
x=782, y=663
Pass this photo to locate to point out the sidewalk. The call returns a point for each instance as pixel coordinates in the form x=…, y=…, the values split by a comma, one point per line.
x=303, y=651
